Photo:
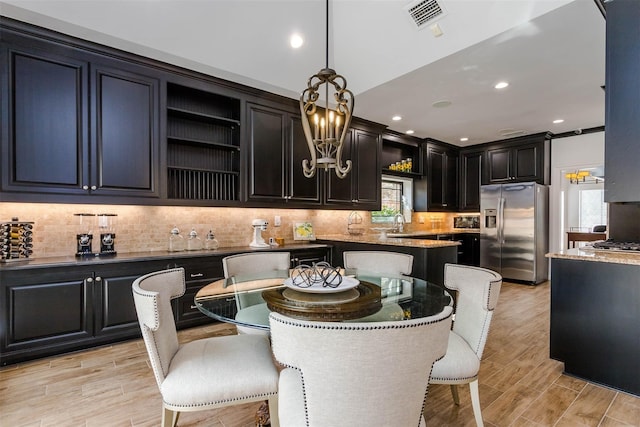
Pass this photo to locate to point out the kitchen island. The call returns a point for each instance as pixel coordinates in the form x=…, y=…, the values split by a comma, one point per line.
x=429, y=256
x=595, y=316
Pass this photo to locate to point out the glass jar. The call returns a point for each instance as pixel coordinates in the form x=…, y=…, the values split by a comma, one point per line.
x=194, y=243
x=176, y=241
x=210, y=242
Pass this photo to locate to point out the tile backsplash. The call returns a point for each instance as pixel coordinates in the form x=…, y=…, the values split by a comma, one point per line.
x=147, y=228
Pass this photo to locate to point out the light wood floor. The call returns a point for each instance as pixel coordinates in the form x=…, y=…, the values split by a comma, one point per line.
x=519, y=384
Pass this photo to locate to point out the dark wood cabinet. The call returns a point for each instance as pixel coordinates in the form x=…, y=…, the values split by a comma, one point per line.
x=397, y=147
x=57, y=309
x=622, y=114
x=203, y=144
x=438, y=191
x=45, y=122
x=360, y=189
x=277, y=147
x=48, y=309
x=125, y=129
x=198, y=272
x=520, y=159
x=94, y=126
x=428, y=263
x=470, y=178
x=469, y=250
x=594, y=321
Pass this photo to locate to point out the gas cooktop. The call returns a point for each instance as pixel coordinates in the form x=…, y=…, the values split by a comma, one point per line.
x=614, y=245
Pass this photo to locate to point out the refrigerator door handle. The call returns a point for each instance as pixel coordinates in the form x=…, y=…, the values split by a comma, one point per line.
x=501, y=202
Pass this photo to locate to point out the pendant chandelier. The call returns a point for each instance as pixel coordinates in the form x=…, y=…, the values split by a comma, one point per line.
x=330, y=127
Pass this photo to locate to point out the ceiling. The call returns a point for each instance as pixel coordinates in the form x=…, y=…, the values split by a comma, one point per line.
x=552, y=52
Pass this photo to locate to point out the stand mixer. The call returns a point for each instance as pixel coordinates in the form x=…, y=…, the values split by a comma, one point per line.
x=259, y=225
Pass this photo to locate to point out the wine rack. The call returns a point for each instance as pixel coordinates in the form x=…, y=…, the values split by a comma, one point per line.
x=16, y=240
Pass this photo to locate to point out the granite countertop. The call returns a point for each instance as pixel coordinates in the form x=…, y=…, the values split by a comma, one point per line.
x=580, y=254
x=434, y=232
x=71, y=260
x=375, y=239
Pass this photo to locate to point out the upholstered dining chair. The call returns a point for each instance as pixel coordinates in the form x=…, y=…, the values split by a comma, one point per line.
x=478, y=290
x=251, y=305
x=385, y=262
x=202, y=374
x=356, y=374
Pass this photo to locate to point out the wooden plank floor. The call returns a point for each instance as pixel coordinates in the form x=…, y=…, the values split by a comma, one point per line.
x=519, y=384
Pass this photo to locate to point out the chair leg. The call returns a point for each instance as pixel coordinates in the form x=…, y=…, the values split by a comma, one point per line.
x=454, y=393
x=475, y=402
x=169, y=417
x=273, y=411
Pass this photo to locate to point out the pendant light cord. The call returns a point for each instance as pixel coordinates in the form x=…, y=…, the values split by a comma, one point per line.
x=327, y=36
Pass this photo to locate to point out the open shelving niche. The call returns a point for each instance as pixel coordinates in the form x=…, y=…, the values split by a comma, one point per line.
x=394, y=150
x=203, y=145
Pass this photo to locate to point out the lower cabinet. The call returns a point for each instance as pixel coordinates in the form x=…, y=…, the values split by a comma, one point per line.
x=469, y=251
x=428, y=263
x=198, y=272
x=52, y=309
x=58, y=309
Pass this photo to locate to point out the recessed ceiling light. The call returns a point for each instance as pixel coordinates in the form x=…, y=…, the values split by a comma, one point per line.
x=409, y=132
x=556, y=121
x=396, y=118
x=501, y=85
x=464, y=139
x=441, y=104
x=296, y=40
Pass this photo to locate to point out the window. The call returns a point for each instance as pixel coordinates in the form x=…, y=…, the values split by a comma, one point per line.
x=397, y=197
x=593, y=209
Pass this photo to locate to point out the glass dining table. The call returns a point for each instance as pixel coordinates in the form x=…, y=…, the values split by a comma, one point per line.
x=246, y=300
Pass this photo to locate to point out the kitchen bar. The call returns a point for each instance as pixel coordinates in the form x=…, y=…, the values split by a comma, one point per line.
x=595, y=313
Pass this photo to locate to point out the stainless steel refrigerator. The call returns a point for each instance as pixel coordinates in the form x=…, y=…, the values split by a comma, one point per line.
x=514, y=230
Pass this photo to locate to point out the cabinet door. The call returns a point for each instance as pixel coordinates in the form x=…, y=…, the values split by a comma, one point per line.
x=300, y=188
x=267, y=150
x=44, y=315
x=441, y=179
x=115, y=311
x=622, y=127
x=526, y=162
x=125, y=133
x=46, y=134
x=367, y=169
x=340, y=191
x=499, y=165
x=451, y=182
x=360, y=189
x=470, y=178
x=310, y=257
x=436, y=166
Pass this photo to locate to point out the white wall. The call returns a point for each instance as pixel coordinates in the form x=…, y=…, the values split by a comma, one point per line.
x=571, y=153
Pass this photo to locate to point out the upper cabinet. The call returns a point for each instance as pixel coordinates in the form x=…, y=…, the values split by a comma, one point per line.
x=470, y=178
x=622, y=112
x=520, y=159
x=401, y=155
x=438, y=191
x=74, y=124
x=125, y=132
x=203, y=145
x=276, y=149
x=360, y=189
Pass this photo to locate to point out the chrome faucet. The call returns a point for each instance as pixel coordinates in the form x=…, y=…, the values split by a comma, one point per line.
x=398, y=223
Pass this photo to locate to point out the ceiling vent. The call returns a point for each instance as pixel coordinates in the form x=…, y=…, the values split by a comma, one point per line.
x=423, y=12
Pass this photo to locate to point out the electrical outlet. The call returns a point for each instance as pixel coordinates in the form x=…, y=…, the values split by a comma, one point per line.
x=277, y=221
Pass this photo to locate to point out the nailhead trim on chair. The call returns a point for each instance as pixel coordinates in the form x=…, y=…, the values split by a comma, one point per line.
x=253, y=396
x=355, y=328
